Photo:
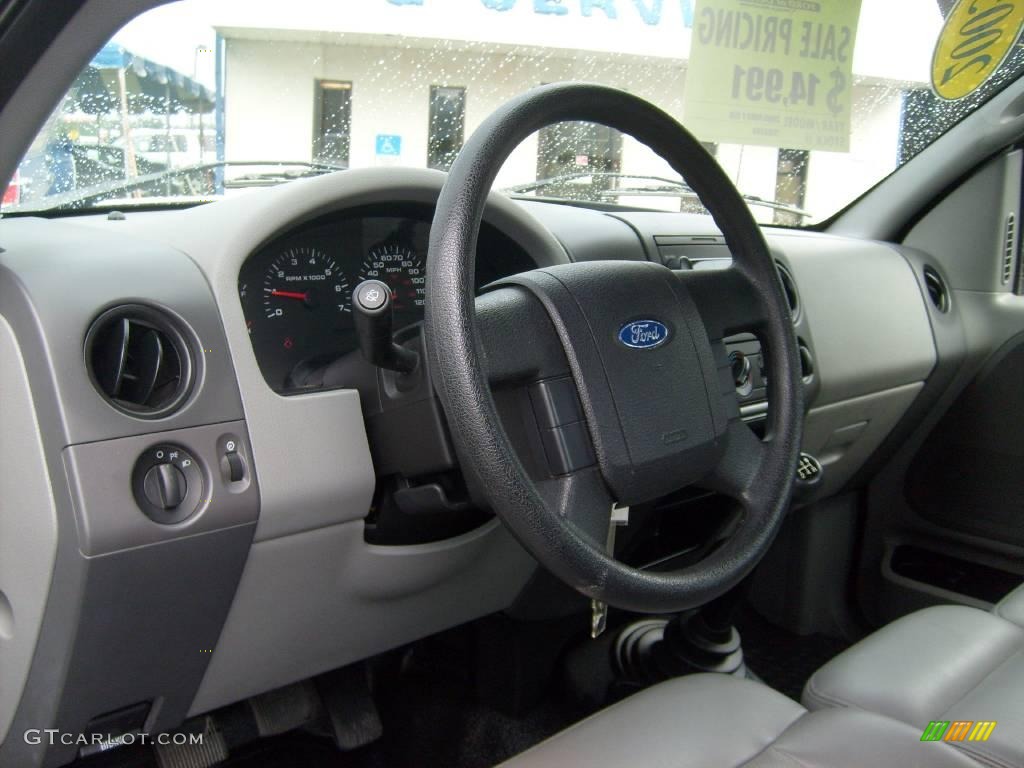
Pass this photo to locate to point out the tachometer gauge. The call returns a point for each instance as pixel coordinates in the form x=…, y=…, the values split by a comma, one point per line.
x=401, y=268
x=305, y=285
x=298, y=311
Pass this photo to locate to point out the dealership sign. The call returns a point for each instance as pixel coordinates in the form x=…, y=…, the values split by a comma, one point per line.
x=772, y=72
x=644, y=28
x=649, y=11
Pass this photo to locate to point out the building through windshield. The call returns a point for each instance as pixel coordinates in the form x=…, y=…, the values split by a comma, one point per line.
x=394, y=85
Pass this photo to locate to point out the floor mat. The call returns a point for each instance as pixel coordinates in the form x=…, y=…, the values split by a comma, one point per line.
x=432, y=715
x=783, y=660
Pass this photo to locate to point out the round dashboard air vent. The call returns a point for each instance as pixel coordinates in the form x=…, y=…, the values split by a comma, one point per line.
x=936, y=287
x=139, y=360
x=789, y=288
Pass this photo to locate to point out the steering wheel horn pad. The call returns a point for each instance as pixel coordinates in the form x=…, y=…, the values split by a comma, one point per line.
x=660, y=410
x=655, y=413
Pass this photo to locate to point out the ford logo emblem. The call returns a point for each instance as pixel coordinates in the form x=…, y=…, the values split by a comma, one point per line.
x=643, y=334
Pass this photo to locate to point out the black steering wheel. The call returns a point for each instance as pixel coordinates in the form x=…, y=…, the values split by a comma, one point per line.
x=572, y=388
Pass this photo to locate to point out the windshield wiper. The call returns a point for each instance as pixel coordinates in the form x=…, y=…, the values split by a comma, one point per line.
x=188, y=182
x=285, y=172
x=661, y=187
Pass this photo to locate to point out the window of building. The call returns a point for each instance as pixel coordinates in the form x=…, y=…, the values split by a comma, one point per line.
x=568, y=148
x=332, y=122
x=447, y=129
x=575, y=158
x=791, y=183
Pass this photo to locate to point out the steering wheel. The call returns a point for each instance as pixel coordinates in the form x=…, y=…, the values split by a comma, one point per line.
x=612, y=376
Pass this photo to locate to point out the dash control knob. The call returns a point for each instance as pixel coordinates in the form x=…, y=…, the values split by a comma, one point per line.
x=165, y=486
x=740, y=368
x=740, y=365
x=167, y=483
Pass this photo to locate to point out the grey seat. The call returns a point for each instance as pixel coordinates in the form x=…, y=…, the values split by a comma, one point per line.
x=720, y=721
x=945, y=663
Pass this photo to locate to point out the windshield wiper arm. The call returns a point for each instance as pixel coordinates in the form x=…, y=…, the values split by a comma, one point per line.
x=669, y=188
x=565, y=178
x=289, y=171
x=104, y=191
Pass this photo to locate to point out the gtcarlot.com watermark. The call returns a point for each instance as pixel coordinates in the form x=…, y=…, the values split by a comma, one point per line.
x=102, y=741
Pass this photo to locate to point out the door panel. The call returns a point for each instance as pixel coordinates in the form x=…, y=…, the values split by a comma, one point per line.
x=944, y=511
x=969, y=474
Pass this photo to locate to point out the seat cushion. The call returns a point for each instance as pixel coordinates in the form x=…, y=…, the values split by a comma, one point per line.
x=718, y=721
x=853, y=738
x=1011, y=607
x=697, y=720
x=941, y=663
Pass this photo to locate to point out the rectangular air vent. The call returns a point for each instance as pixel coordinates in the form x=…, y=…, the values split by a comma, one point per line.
x=1009, y=247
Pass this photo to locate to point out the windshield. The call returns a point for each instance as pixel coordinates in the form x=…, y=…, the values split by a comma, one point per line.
x=804, y=103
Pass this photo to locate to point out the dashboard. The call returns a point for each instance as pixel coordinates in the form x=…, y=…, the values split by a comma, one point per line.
x=274, y=568
x=296, y=291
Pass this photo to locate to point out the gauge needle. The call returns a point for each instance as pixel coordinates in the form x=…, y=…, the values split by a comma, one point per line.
x=290, y=294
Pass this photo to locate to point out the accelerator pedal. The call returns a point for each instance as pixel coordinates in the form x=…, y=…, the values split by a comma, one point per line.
x=285, y=709
x=352, y=714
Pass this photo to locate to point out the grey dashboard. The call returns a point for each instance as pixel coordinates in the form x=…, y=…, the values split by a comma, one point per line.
x=274, y=578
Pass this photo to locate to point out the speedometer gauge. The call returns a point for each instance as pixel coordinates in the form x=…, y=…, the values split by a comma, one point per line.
x=401, y=268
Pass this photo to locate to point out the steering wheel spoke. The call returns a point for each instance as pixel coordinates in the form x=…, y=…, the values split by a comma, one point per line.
x=729, y=300
x=740, y=465
x=516, y=337
x=582, y=499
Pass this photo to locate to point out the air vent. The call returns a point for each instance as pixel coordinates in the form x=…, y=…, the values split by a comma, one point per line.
x=789, y=288
x=937, y=291
x=806, y=362
x=139, y=361
x=1009, y=247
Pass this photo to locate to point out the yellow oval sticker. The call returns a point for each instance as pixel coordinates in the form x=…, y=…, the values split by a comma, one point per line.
x=977, y=36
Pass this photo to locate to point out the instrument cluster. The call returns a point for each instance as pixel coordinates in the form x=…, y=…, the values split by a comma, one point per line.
x=296, y=291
